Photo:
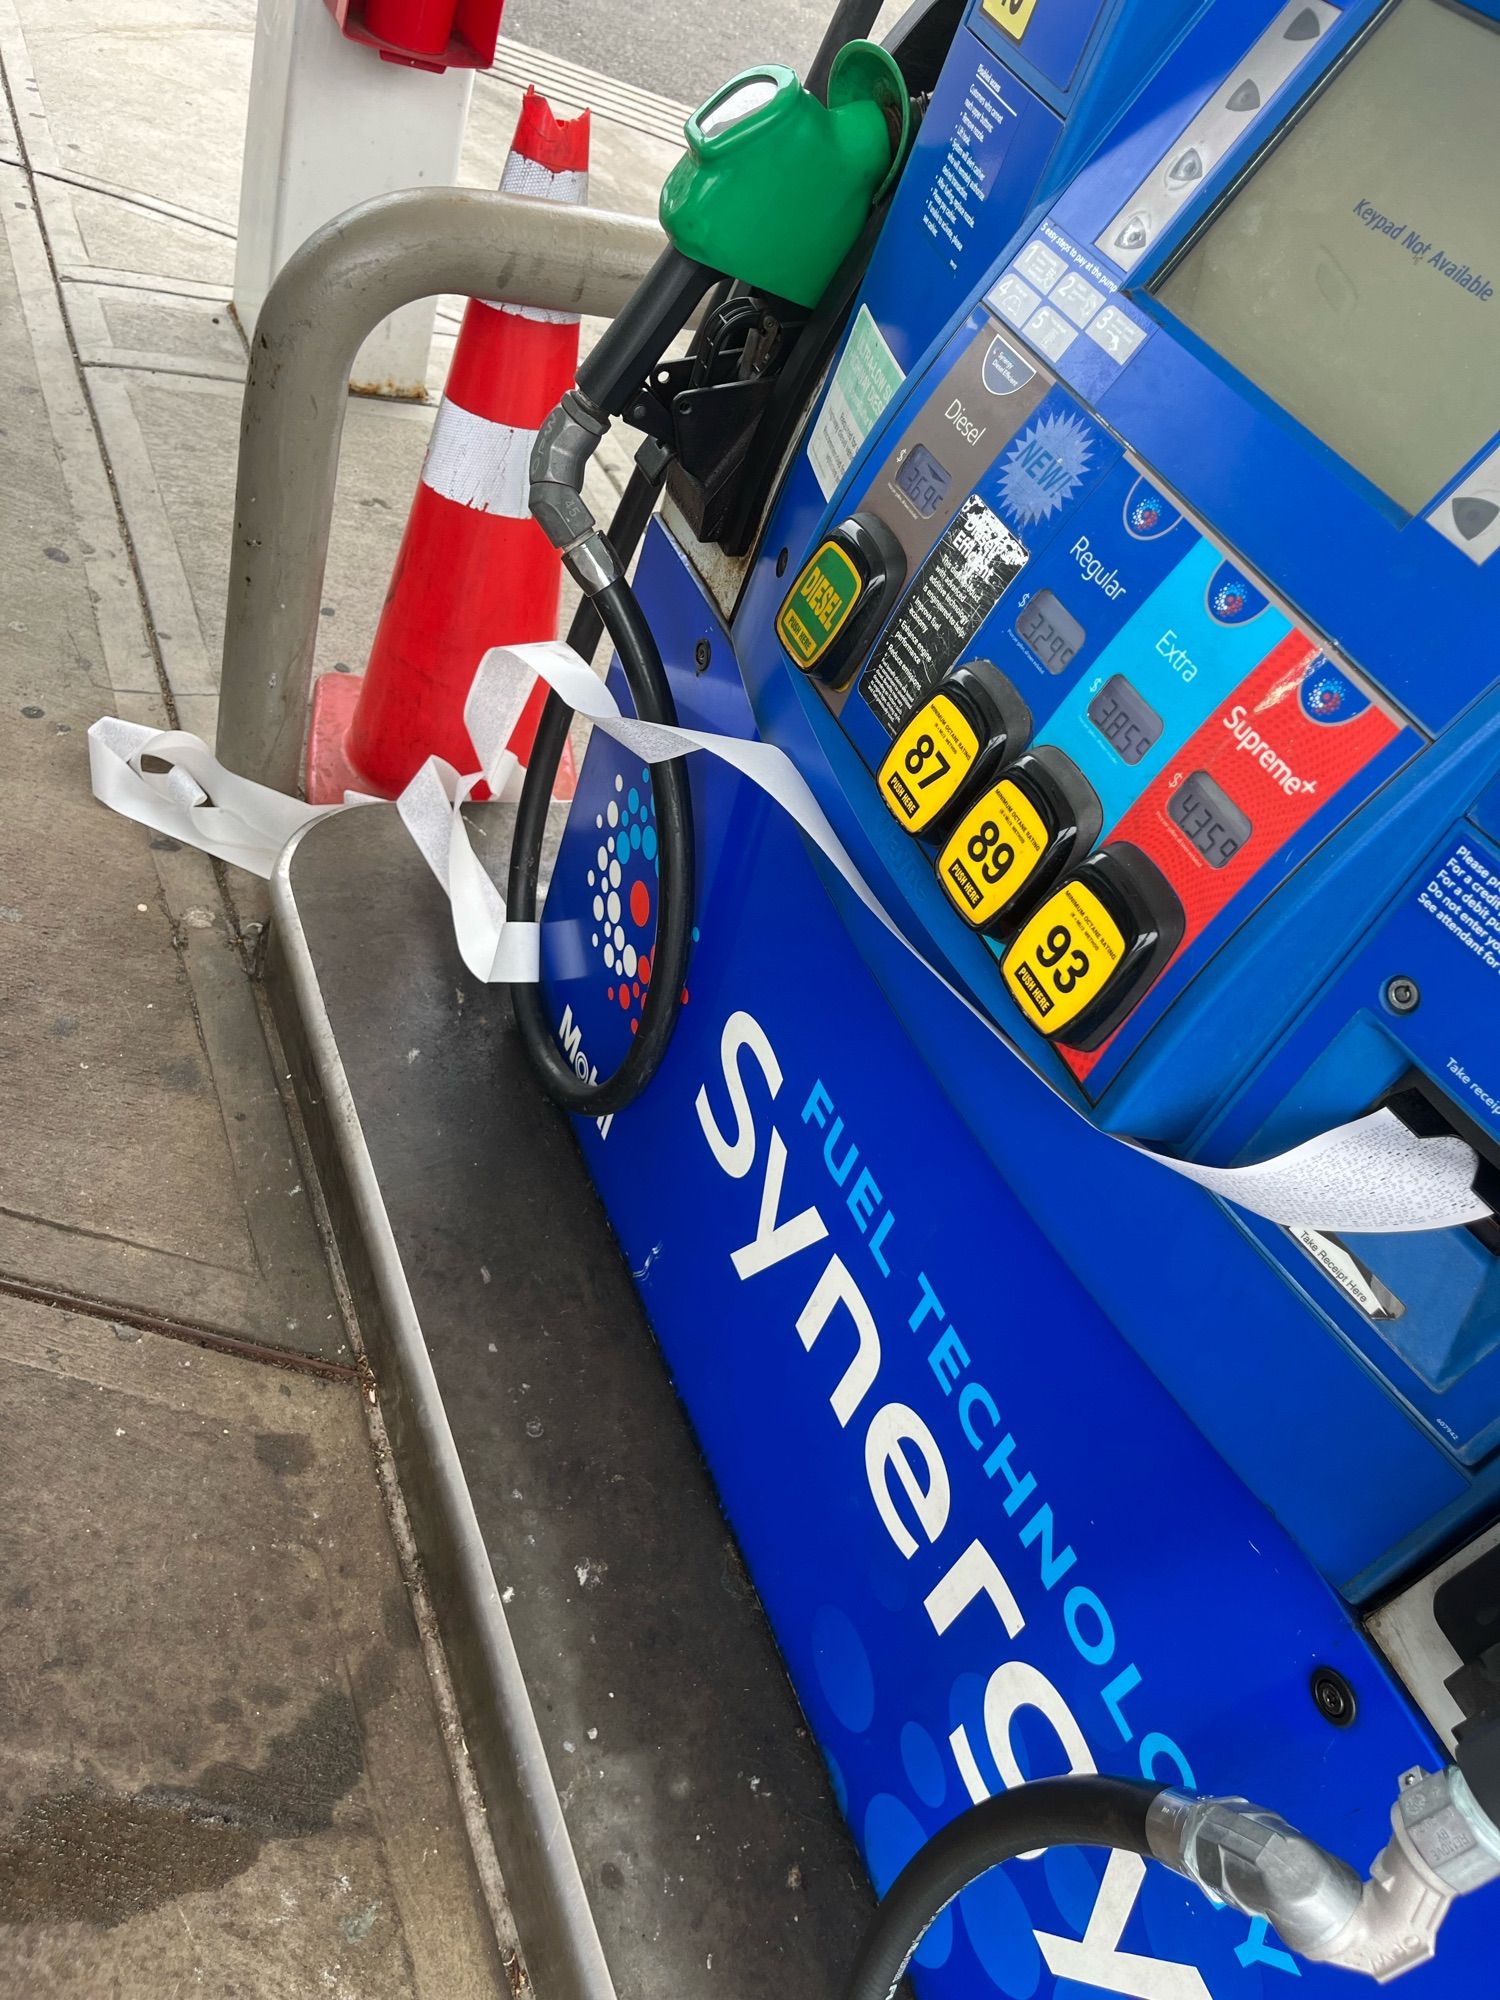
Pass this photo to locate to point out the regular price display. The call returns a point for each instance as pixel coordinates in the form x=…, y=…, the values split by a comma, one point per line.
x=1125, y=721
x=1209, y=818
x=1050, y=630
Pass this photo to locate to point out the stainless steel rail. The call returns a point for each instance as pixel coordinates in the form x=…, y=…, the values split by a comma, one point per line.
x=331, y=294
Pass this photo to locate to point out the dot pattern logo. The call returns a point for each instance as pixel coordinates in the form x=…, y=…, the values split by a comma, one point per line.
x=624, y=884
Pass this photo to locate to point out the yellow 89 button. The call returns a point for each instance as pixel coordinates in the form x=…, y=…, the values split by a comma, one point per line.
x=1063, y=957
x=928, y=762
x=992, y=853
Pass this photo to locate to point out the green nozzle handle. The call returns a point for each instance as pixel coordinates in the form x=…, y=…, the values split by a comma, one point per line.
x=775, y=186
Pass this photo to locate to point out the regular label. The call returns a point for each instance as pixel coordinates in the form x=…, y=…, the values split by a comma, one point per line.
x=867, y=377
x=992, y=855
x=927, y=763
x=973, y=565
x=1063, y=958
x=821, y=599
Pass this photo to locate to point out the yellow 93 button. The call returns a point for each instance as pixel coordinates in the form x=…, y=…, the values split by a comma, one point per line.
x=1063, y=958
x=995, y=849
x=1085, y=956
x=928, y=762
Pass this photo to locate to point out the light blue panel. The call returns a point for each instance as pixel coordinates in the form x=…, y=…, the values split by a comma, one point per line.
x=1196, y=636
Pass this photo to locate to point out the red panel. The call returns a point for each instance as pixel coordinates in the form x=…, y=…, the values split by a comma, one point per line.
x=1280, y=746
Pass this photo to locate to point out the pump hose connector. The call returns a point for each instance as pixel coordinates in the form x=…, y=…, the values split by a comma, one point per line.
x=1443, y=1844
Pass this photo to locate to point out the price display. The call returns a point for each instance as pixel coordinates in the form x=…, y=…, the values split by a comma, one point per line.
x=1209, y=818
x=1050, y=630
x=1125, y=721
x=924, y=482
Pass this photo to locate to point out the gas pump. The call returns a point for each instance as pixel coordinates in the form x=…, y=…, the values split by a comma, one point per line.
x=1123, y=597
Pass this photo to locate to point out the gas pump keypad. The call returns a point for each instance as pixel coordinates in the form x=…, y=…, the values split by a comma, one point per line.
x=968, y=727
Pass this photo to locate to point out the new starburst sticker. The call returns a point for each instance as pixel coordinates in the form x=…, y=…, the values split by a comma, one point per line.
x=1045, y=467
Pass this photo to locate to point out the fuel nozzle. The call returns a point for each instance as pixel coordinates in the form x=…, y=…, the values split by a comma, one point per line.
x=1443, y=1844
x=772, y=192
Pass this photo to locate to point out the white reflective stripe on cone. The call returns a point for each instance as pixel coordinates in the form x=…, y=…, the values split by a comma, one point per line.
x=543, y=315
x=479, y=463
x=523, y=176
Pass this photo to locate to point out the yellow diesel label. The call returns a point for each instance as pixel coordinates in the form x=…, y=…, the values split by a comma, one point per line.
x=927, y=763
x=1063, y=958
x=989, y=860
x=1013, y=15
x=818, y=605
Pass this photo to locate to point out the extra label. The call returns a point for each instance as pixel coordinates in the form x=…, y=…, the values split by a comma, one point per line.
x=819, y=604
x=928, y=762
x=1063, y=958
x=992, y=855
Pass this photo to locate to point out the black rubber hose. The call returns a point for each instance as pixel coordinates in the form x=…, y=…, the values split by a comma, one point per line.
x=1049, y=1812
x=617, y=610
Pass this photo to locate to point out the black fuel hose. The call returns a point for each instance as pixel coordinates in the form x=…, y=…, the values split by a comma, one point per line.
x=617, y=611
x=1048, y=1812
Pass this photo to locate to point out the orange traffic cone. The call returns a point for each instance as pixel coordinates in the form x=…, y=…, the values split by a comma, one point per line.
x=474, y=569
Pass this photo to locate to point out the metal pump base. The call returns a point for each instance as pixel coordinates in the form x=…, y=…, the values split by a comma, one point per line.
x=662, y=1817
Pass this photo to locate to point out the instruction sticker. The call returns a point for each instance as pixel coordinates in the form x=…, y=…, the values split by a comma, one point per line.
x=867, y=377
x=975, y=562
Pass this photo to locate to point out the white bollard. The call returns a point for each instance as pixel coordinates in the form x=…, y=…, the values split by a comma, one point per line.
x=330, y=124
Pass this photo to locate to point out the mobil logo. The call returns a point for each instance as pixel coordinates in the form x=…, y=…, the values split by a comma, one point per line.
x=1148, y=515
x=1327, y=694
x=1232, y=598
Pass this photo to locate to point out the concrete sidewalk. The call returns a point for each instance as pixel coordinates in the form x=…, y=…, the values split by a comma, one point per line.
x=226, y=1767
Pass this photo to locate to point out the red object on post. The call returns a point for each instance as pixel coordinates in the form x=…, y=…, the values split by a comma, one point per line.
x=423, y=34
x=474, y=570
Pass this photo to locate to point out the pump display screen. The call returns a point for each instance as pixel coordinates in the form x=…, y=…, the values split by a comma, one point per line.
x=1354, y=275
x=1210, y=819
x=1050, y=630
x=1124, y=719
x=924, y=482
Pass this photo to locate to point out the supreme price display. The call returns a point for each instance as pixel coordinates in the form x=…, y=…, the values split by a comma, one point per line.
x=1279, y=747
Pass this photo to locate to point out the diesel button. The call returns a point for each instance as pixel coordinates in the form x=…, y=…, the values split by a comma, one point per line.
x=1039, y=818
x=1085, y=957
x=972, y=723
x=830, y=613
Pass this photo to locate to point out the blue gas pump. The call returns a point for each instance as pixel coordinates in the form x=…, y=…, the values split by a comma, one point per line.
x=1125, y=595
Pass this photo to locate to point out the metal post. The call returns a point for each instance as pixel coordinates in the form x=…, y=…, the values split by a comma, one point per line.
x=341, y=283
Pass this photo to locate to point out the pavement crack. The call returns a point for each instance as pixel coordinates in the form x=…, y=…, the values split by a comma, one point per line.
x=214, y=1338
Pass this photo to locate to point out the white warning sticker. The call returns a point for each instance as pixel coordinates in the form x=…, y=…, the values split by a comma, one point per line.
x=867, y=377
